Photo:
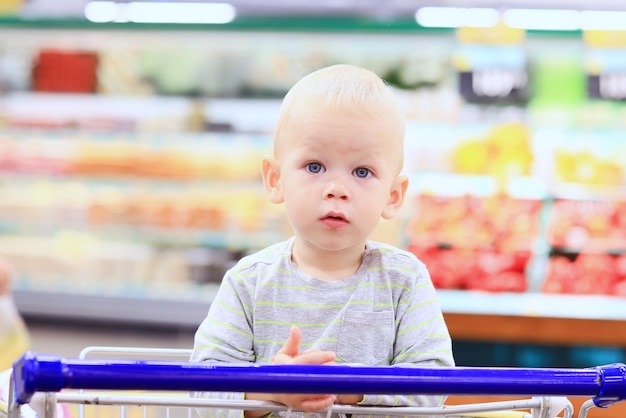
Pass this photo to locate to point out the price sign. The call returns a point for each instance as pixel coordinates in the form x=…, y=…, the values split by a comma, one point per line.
x=492, y=74
x=606, y=74
x=609, y=86
x=494, y=84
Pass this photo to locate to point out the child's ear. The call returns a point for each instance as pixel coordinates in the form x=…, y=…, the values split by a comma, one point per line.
x=270, y=170
x=396, y=197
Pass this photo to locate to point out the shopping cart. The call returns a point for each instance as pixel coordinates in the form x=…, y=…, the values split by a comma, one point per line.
x=165, y=380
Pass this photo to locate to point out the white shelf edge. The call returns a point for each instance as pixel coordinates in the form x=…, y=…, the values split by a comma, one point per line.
x=529, y=304
x=111, y=309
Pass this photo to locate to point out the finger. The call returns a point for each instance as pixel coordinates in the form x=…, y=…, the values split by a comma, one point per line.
x=321, y=358
x=292, y=345
x=317, y=350
x=316, y=357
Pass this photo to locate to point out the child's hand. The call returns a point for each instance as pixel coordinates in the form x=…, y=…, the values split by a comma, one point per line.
x=349, y=399
x=290, y=354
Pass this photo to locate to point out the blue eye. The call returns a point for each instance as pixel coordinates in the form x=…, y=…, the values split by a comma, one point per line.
x=314, y=168
x=362, y=172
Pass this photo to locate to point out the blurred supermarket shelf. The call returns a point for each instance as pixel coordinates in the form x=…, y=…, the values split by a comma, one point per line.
x=115, y=249
x=114, y=113
x=119, y=310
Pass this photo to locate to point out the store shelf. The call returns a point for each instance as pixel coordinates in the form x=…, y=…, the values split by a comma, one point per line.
x=559, y=320
x=119, y=309
x=130, y=116
x=534, y=305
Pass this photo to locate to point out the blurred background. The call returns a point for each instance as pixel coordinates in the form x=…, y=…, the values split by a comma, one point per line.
x=131, y=135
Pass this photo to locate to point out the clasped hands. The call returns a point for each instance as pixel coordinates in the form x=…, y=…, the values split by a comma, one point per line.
x=290, y=354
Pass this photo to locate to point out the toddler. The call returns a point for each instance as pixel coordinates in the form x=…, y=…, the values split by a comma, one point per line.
x=329, y=294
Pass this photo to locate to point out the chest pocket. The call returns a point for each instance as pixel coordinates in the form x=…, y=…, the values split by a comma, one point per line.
x=366, y=337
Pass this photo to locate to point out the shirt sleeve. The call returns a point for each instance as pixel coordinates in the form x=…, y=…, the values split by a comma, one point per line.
x=225, y=335
x=422, y=340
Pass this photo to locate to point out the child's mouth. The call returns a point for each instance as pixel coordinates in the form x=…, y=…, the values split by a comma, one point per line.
x=334, y=221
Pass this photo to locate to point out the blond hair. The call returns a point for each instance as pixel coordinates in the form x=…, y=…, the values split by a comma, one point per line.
x=347, y=88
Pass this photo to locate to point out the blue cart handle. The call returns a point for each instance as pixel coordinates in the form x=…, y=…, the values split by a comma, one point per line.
x=40, y=373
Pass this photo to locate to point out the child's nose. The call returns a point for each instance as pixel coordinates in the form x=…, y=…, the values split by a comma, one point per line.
x=336, y=190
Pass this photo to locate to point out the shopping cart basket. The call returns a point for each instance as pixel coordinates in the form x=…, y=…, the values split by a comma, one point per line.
x=87, y=381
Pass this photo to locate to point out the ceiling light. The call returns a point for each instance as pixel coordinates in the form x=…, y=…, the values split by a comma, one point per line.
x=148, y=12
x=602, y=20
x=153, y=12
x=101, y=11
x=542, y=19
x=455, y=17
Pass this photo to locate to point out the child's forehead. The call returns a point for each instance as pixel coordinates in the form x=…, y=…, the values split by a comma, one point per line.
x=335, y=113
x=354, y=134
x=337, y=122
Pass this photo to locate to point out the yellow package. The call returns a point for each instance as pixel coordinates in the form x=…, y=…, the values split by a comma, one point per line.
x=14, y=338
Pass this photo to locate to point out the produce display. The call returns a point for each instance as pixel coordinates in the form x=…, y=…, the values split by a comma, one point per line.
x=198, y=197
x=505, y=151
x=133, y=210
x=596, y=226
x=475, y=243
x=586, y=274
x=588, y=248
x=585, y=167
x=181, y=156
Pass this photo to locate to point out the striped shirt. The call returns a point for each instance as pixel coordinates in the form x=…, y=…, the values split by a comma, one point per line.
x=387, y=313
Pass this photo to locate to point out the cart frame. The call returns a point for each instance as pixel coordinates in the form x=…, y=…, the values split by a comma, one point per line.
x=54, y=376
